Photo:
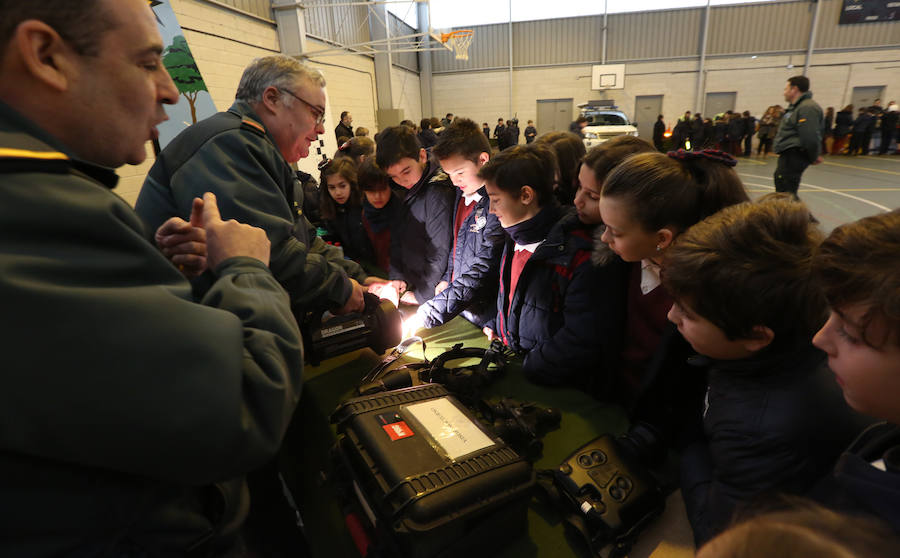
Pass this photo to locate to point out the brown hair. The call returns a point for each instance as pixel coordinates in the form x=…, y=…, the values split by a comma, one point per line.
x=569, y=149
x=662, y=191
x=857, y=264
x=750, y=265
x=346, y=168
x=356, y=147
x=371, y=178
x=523, y=165
x=463, y=138
x=604, y=157
x=805, y=530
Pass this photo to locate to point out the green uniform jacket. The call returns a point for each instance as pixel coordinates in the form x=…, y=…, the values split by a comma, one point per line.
x=128, y=412
x=231, y=155
x=801, y=126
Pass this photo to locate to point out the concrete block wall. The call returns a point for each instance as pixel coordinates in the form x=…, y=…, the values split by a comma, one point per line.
x=759, y=82
x=406, y=93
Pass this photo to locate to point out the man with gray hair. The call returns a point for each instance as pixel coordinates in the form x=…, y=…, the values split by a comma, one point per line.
x=243, y=155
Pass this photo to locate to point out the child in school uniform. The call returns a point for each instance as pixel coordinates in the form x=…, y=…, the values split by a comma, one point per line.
x=340, y=206
x=857, y=266
x=549, y=292
x=424, y=224
x=645, y=203
x=381, y=207
x=469, y=286
x=774, y=420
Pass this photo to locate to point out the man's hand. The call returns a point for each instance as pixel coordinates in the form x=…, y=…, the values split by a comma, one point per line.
x=409, y=298
x=818, y=160
x=184, y=243
x=489, y=333
x=356, y=302
x=440, y=287
x=230, y=239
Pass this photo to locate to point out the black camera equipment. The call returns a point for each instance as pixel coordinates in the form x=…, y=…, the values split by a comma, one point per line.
x=521, y=425
x=466, y=382
x=377, y=327
x=425, y=478
x=607, y=490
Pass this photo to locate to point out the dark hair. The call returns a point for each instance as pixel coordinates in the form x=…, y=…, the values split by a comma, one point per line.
x=463, y=138
x=857, y=264
x=361, y=132
x=750, y=265
x=409, y=124
x=523, y=165
x=346, y=168
x=569, y=149
x=848, y=107
x=356, y=147
x=370, y=177
x=662, y=191
x=581, y=118
x=499, y=120
x=800, y=82
x=80, y=24
x=449, y=114
x=425, y=124
x=604, y=157
x=344, y=114
x=395, y=143
x=807, y=529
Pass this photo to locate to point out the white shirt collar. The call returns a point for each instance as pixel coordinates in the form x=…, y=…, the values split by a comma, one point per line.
x=528, y=247
x=649, y=276
x=472, y=198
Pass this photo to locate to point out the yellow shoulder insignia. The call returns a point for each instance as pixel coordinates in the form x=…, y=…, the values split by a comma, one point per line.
x=12, y=153
x=801, y=120
x=251, y=124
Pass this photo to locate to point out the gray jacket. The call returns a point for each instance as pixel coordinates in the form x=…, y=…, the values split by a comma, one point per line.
x=801, y=127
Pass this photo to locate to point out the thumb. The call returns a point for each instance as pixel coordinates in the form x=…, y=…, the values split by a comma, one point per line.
x=197, y=213
x=210, y=209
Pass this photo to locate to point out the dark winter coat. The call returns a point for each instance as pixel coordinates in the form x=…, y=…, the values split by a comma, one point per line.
x=843, y=121
x=530, y=134
x=423, y=232
x=472, y=270
x=857, y=487
x=427, y=138
x=511, y=136
x=558, y=317
x=659, y=129
x=864, y=123
x=342, y=130
x=773, y=424
x=801, y=126
x=348, y=230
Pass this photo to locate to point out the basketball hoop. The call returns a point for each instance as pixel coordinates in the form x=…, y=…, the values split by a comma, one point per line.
x=460, y=41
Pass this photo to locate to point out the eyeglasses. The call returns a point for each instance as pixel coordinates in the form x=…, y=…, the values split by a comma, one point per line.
x=317, y=112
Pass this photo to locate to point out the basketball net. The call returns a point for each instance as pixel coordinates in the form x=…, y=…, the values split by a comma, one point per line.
x=460, y=41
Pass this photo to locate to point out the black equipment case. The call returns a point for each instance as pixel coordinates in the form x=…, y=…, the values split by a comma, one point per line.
x=431, y=479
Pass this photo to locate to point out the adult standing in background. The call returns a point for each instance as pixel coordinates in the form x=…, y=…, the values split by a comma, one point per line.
x=659, y=132
x=889, y=119
x=827, y=130
x=799, y=138
x=578, y=126
x=530, y=132
x=749, y=132
x=447, y=120
x=861, y=132
x=696, y=132
x=344, y=128
x=766, y=132
x=843, y=123
x=499, y=130
x=130, y=421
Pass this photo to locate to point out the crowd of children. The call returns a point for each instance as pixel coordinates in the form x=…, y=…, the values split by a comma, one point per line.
x=650, y=280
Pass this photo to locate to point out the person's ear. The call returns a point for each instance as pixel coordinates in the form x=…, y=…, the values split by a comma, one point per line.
x=761, y=338
x=483, y=158
x=664, y=238
x=527, y=195
x=423, y=156
x=271, y=96
x=45, y=55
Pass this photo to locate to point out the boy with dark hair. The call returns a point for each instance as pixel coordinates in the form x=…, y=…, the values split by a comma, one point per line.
x=857, y=266
x=773, y=418
x=424, y=225
x=549, y=291
x=469, y=286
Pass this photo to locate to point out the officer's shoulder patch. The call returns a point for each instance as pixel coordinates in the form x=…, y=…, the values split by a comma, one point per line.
x=25, y=160
x=801, y=120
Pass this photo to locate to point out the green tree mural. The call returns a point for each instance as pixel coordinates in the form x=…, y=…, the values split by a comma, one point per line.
x=179, y=61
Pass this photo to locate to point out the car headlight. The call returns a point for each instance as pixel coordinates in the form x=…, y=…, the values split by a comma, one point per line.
x=590, y=135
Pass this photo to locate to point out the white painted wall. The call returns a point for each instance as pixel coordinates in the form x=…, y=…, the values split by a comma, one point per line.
x=406, y=93
x=759, y=82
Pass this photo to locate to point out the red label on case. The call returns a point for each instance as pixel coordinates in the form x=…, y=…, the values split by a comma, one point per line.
x=398, y=430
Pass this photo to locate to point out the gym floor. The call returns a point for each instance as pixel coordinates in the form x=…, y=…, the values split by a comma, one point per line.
x=841, y=189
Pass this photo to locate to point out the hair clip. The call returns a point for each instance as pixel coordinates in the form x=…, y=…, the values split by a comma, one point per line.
x=708, y=154
x=323, y=164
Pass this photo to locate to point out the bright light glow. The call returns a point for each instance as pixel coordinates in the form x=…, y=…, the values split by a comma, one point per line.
x=405, y=11
x=446, y=14
x=388, y=292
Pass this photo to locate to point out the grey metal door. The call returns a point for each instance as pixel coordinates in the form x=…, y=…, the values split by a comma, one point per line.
x=646, y=109
x=717, y=103
x=553, y=115
x=865, y=96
